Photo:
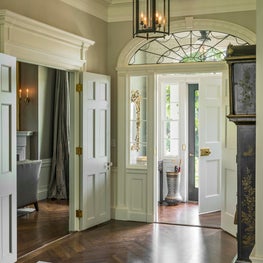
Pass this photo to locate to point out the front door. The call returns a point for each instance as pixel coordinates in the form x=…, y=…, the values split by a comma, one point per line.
x=95, y=161
x=193, y=142
x=210, y=90
x=8, y=228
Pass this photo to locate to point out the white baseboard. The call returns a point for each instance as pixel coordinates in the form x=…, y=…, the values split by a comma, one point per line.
x=120, y=213
x=256, y=260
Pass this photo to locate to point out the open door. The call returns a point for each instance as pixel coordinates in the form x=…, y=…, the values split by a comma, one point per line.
x=95, y=140
x=210, y=90
x=229, y=166
x=8, y=228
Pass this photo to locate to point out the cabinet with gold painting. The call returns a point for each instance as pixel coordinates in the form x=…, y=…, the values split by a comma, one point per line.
x=242, y=74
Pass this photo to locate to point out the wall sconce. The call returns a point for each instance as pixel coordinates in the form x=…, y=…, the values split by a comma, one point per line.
x=26, y=99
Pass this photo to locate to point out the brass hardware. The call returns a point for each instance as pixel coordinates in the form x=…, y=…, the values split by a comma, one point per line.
x=79, y=150
x=205, y=152
x=79, y=87
x=79, y=213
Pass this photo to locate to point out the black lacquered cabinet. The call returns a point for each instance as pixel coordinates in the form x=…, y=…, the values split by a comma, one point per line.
x=242, y=75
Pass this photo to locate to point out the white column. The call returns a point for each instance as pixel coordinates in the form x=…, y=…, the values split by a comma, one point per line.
x=258, y=250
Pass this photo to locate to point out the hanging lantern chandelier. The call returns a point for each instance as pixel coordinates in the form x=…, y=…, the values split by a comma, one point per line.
x=151, y=18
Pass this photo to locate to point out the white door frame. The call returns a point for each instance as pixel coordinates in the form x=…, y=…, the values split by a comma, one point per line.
x=125, y=70
x=183, y=80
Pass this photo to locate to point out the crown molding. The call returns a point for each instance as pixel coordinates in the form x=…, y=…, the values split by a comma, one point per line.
x=121, y=10
x=192, y=8
x=98, y=8
x=31, y=41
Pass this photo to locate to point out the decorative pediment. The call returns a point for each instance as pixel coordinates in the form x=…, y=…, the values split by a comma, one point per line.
x=35, y=42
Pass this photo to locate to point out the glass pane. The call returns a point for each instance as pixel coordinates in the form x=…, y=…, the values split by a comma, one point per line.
x=170, y=119
x=186, y=47
x=174, y=109
x=138, y=121
x=174, y=129
x=171, y=147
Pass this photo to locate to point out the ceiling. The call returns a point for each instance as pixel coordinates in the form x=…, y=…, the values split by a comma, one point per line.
x=121, y=10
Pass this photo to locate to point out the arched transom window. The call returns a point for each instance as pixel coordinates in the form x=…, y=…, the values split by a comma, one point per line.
x=187, y=46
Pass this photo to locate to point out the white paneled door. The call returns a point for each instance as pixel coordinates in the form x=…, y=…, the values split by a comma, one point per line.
x=95, y=162
x=229, y=166
x=8, y=228
x=210, y=143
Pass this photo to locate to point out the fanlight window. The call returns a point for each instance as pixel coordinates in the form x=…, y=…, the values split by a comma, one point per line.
x=182, y=47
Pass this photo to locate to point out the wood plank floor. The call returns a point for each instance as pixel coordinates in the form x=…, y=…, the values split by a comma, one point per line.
x=39, y=228
x=187, y=214
x=119, y=241
x=122, y=241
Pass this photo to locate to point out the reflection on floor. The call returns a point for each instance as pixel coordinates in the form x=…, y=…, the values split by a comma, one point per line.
x=130, y=242
x=187, y=214
x=39, y=228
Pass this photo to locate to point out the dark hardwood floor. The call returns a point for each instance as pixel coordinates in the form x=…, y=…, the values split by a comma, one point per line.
x=187, y=214
x=120, y=241
x=39, y=228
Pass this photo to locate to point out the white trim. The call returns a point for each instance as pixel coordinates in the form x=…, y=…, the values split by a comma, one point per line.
x=124, y=71
x=34, y=42
x=184, y=25
x=98, y=8
x=121, y=10
x=191, y=8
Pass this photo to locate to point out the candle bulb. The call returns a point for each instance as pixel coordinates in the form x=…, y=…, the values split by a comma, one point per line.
x=27, y=99
x=20, y=93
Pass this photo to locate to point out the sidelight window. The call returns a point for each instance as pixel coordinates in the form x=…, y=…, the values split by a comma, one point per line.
x=138, y=123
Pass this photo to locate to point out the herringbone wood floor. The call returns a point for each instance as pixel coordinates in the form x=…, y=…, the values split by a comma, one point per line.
x=39, y=228
x=119, y=241
x=188, y=214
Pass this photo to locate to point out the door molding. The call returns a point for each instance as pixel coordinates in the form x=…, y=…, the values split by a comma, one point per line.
x=184, y=25
x=31, y=41
x=34, y=42
x=124, y=71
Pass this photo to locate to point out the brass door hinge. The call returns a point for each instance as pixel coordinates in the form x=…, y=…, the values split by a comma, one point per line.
x=79, y=87
x=79, y=213
x=79, y=150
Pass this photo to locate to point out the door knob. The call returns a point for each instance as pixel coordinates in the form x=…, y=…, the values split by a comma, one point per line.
x=108, y=165
x=191, y=155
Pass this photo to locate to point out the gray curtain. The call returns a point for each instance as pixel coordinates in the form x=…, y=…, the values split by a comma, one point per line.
x=58, y=185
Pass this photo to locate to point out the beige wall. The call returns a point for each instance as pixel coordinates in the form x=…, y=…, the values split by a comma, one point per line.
x=109, y=38
x=60, y=15
x=119, y=34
